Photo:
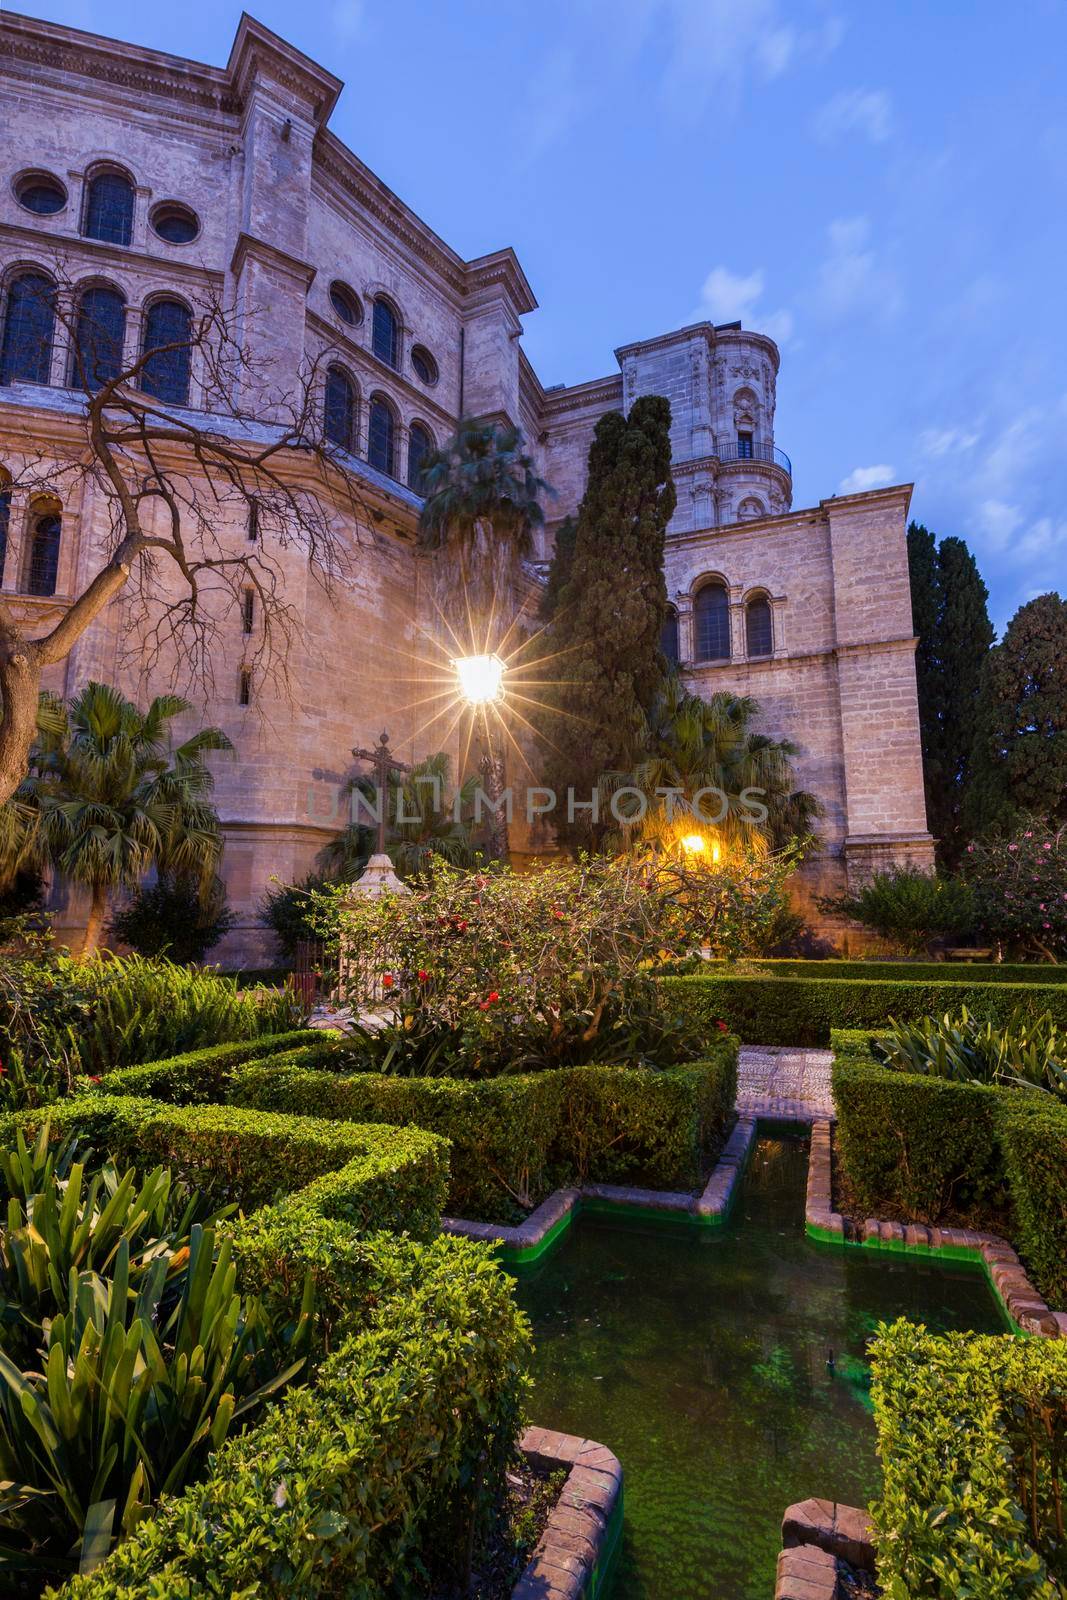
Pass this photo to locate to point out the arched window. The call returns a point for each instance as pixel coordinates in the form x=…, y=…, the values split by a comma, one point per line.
x=668, y=638
x=385, y=333
x=420, y=445
x=98, y=337
x=5, y=518
x=759, y=632
x=711, y=618
x=381, y=439
x=109, y=208
x=42, y=564
x=339, y=419
x=165, y=373
x=29, y=325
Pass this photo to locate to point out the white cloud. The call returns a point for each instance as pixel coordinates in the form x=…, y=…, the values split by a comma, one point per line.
x=938, y=442
x=868, y=112
x=851, y=281
x=734, y=297
x=861, y=478
x=998, y=520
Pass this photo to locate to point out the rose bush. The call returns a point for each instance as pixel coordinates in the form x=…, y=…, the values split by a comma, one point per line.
x=1020, y=887
x=496, y=970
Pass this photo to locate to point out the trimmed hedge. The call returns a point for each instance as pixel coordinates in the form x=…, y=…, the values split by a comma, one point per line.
x=515, y=1139
x=911, y=971
x=370, y=1177
x=203, y=1074
x=1033, y=1141
x=804, y=1011
x=919, y=1145
x=353, y=1484
x=971, y=1435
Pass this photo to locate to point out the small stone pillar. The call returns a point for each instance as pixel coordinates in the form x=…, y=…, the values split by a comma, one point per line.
x=363, y=969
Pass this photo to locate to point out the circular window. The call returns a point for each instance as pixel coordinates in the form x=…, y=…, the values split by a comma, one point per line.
x=40, y=193
x=175, y=223
x=424, y=364
x=345, y=304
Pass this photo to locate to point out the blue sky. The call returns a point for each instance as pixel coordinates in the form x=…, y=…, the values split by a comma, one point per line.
x=883, y=187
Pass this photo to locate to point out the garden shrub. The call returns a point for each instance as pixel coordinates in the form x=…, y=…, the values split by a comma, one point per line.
x=904, y=971
x=972, y=1435
x=516, y=1138
x=803, y=1011
x=918, y=1146
x=372, y=1475
x=368, y=1176
x=1033, y=1140
x=60, y=1017
x=910, y=906
x=201, y=1075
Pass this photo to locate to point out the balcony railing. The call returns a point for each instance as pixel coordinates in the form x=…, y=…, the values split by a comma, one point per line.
x=754, y=451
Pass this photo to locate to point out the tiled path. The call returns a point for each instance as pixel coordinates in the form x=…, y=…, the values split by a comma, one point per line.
x=783, y=1078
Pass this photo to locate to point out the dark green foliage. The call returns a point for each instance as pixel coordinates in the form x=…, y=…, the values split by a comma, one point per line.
x=60, y=1017
x=20, y=894
x=802, y=1011
x=919, y=1146
x=1019, y=881
x=916, y=908
x=1021, y=740
x=1023, y=1052
x=287, y=909
x=972, y=1436
x=355, y=1485
x=908, y=971
x=371, y=1177
x=515, y=1139
x=923, y=1148
x=559, y=571
x=951, y=620
x=202, y=1075
x=1033, y=1141
x=605, y=634
x=172, y=918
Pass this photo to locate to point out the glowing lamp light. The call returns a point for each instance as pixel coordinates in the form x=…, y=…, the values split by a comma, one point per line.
x=694, y=843
x=481, y=678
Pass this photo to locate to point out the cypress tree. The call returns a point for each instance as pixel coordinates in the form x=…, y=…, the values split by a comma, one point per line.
x=605, y=633
x=951, y=619
x=559, y=569
x=1021, y=749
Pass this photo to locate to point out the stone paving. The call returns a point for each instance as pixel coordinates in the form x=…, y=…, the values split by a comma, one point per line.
x=767, y=1074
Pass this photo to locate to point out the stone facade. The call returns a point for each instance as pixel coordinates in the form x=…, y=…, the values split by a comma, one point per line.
x=288, y=226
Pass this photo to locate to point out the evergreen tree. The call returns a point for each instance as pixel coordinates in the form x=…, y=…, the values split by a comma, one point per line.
x=606, y=629
x=560, y=568
x=1021, y=745
x=951, y=620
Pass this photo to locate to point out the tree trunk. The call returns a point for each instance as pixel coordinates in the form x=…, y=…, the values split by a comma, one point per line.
x=20, y=682
x=95, y=925
x=492, y=771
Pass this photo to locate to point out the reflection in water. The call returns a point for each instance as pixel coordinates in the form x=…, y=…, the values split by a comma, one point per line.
x=727, y=1372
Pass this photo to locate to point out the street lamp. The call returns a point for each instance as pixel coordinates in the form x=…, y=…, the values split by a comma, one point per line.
x=481, y=679
x=695, y=844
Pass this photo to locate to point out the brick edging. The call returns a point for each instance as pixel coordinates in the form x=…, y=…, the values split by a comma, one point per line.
x=816, y=1534
x=1026, y=1309
x=575, y=1550
x=543, y=1226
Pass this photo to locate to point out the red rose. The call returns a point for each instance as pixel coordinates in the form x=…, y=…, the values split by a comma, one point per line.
x=388, y=980
x=424, y=976
x=722, y=1027
x=493, y=995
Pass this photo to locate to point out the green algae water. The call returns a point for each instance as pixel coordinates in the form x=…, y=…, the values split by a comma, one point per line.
x=702, y=1361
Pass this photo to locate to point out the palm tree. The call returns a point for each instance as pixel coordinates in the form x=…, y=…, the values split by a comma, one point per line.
x=107, y=798
x=483, y=501
x=433, y=824
x=697, y=744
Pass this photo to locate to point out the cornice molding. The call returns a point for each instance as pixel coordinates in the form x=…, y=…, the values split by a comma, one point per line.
x=687, y=335
x=259, y=250
x=566, y=405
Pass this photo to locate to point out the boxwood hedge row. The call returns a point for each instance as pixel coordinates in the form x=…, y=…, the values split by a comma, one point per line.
x=970, y=1434
x=804, y=1011
x=201, y=1074
x=924, y=1147
x=515, y=1139
x=913, y=971
x=378, y=1467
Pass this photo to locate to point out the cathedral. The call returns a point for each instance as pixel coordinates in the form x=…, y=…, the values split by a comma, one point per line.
x=148, y=184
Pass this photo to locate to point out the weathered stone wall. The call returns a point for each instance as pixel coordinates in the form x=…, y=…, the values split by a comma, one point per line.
x=284, y=211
